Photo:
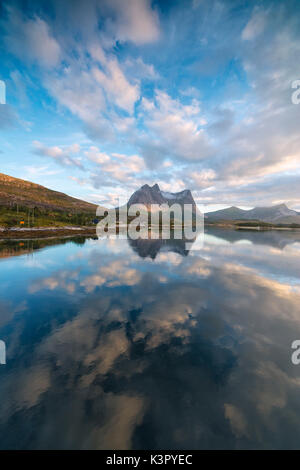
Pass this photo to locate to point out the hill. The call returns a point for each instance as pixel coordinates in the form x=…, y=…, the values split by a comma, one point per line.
x=33, y=205
x=277, y=215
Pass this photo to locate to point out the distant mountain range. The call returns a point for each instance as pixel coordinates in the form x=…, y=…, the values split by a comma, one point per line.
x=21, y=199
x=279, y=214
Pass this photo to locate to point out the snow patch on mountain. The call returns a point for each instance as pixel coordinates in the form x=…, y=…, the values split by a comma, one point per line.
x=174, y=195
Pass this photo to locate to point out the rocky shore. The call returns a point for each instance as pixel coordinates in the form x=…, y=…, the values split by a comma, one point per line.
x=40, y=232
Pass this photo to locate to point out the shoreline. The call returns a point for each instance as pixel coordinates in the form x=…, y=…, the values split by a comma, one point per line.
x=45, y=232
x=67, y=231
x=264, y=229
x=258, y=228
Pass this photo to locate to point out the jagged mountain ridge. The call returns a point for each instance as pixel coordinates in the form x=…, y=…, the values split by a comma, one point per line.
x=278, y=214
x=148, y=195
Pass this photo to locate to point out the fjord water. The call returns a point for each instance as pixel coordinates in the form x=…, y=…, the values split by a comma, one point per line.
x=118, y=345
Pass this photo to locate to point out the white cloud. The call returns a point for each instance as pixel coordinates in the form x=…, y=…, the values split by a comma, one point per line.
x=76, y=89
x=96, y=156
x=34, y=171
x=255, y=26
x=177, y=129
x=139, y=69
x=137, y=22
x=58, y=154
x=31, y=39
x=117, y=88
x=203, y=178
x=235, y=141
x=124, y=167
x=94, y=88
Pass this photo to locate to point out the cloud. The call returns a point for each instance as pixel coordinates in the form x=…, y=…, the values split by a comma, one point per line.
x=175, y=130
x=31, y=39
x=116, y=86
x=94, y=88
x=118, y=332
x=262, y=143
x=255, y=25
x=96, y=156
x=199, y=114
x=62, y=156
x=35, y=171
x=140, y=69
x=203, y=178
x=138, y=22
x=117, y=168
x=255, y=137
x=116, y=273
x=76, y=89
x=274, y=189
x=8, y=116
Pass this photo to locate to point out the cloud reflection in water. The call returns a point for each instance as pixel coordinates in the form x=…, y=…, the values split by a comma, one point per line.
x=114, y=350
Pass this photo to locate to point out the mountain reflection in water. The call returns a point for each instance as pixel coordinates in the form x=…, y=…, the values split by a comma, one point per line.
x=150, y=248
x=120, y=345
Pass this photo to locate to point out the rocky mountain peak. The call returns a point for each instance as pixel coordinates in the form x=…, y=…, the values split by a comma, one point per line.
x=148, y=195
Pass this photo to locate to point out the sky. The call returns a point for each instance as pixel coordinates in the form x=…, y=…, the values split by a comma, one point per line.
x=103, y=96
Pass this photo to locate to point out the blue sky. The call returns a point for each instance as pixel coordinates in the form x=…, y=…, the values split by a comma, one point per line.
x=103, y=96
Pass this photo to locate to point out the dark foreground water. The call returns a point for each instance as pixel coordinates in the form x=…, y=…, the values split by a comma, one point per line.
x=111, y=345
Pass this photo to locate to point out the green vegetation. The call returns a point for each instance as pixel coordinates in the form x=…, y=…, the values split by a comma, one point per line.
x=25, y=204
x=258, y=223
x=22, y=216
x=254, y=223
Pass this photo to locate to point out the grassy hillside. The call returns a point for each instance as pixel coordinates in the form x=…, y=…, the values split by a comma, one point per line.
x=27, y=204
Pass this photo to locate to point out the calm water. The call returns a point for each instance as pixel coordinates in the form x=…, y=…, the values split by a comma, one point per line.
x=112, y=345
